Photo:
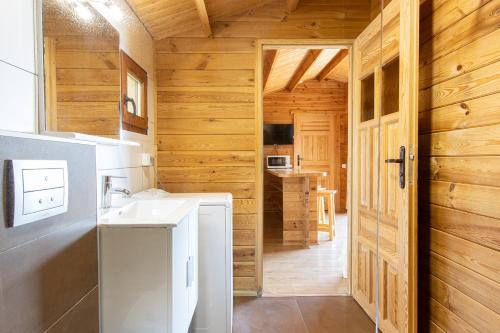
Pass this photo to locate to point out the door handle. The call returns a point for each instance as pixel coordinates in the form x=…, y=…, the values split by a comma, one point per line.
x=298, y=160
x=190, y=271
x=401, y=162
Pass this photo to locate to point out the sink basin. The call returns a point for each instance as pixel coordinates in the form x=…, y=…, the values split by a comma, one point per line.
x=157, y=212
x=150, y=209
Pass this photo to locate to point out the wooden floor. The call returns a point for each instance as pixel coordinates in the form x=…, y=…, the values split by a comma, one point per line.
x=295, y=271
x=300, y=315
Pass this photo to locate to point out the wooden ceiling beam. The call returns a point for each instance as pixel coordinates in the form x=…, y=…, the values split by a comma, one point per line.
x=203, y=14
x=269, y=62
x=332, y=64
x=310, y=58
x=291, y=5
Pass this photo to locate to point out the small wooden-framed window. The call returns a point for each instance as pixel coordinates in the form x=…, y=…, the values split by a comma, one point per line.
x=134, y=92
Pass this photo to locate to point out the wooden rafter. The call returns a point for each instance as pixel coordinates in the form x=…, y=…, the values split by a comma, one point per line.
x=203, y=14
x=291, y=5
x=310, y=58
x=269, y=62
x=332, y=64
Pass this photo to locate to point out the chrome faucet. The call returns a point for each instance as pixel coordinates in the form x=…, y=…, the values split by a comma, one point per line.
x=108, y=190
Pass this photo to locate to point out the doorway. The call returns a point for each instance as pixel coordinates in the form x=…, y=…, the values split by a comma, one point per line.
x=305, y=91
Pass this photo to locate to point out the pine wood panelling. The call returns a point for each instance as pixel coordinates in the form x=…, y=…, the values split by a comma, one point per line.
x=474, y=26
x=205, y=142
x=239, y=190
x=476, y=286
x=459, y=164
x=195, y=78
x=472, y=113
x=477, y=54
x=207, y=61
x=206, y=100
x=446, y=13
x=478, y=229
x=448, y=320
x=206, y=110
x=206, y=158
x=481, y=318
x=206, y=126
x=476, y=257
x=207, y=174
x=468, y=141
x=479, y=170
x=478, y=83
x=205, y=94
x=202, y=46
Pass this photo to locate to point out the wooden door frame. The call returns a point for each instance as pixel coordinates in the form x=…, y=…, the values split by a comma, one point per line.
x=261, y=44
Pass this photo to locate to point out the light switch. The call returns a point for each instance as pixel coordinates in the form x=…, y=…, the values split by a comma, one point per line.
x=37, y=189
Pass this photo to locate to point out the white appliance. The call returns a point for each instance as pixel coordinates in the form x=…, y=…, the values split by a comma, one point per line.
x=278, y=162
x=214, y=312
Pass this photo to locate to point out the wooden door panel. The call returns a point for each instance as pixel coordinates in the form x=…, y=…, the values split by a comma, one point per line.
x=385, y=116
x=314, y=142
x=389, y=176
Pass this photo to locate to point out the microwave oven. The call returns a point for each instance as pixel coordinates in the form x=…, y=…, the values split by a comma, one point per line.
x=278, y=162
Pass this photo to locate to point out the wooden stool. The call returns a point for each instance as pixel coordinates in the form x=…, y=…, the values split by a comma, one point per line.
x=325, y=224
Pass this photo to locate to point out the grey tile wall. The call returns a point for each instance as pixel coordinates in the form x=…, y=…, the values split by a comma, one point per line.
x=48, y=269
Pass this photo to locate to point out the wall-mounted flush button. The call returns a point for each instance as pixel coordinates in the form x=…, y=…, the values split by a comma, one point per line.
x=42, y=200
x=37, y=189
x=39, y=179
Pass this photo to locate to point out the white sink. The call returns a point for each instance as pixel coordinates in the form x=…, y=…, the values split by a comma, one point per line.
x=157, y=212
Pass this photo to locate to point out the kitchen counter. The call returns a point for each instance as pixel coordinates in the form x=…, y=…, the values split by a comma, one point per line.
x=297, y=203
x=290, y=173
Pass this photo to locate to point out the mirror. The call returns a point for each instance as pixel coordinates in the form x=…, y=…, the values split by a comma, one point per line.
x=81, y=68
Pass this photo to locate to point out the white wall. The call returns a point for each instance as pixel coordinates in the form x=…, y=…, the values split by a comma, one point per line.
x=18, y=70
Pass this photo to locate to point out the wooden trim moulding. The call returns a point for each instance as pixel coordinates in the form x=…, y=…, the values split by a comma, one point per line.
x=131, y=122
x=265, y=44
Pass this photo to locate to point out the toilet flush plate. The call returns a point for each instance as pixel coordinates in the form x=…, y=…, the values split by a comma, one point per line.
x=36, y=190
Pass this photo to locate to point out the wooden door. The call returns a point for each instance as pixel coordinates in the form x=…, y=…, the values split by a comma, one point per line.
x=384, y=120
x=314, y=144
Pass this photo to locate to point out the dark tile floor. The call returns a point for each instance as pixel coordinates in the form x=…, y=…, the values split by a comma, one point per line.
x=300, y=315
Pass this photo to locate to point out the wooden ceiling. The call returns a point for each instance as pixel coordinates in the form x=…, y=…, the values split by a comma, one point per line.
x=285, y=69
x=192, y=18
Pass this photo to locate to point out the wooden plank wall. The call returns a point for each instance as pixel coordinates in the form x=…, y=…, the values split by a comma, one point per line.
x=206, y=107
x=313, y=96
x=460, y=166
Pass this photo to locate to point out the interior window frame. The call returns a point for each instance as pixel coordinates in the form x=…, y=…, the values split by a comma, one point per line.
x=131, y=122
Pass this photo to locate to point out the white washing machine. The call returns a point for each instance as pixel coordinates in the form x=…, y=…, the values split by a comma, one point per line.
x=214, y=312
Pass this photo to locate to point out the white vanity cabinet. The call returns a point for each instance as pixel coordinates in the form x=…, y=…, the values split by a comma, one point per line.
x=149, y=276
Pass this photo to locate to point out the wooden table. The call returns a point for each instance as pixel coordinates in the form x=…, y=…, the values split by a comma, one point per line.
x=298, y=189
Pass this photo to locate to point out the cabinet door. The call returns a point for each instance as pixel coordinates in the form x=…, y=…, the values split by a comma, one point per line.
x=214, y=261
x=17, y=33
x=193, y=262
x=180, y=290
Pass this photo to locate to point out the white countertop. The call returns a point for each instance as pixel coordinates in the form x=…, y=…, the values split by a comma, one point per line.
x=149, y=213
x=124, y=214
